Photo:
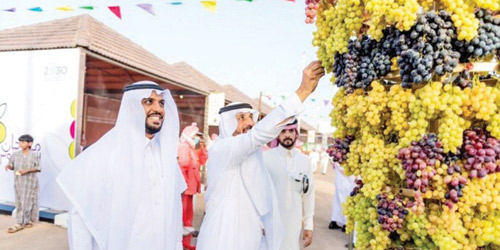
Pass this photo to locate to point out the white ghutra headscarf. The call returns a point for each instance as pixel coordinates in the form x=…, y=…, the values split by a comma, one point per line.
x=103, y=182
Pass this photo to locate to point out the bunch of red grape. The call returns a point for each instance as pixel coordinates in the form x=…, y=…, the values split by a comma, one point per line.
x=357, y=188
x=311, y=9
x=480, y=152
x=341, y=148
x=391, y=212
x=455, y=185
x=417, y=158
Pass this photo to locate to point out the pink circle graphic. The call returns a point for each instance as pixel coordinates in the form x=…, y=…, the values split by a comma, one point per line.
x=72, y=130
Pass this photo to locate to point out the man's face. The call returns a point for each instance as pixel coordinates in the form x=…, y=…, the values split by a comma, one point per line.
x=245, y=123
x=24, y=145
x=155, y=112
x=287, y=137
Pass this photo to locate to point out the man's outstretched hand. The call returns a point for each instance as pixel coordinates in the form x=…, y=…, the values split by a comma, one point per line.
x=310, y=78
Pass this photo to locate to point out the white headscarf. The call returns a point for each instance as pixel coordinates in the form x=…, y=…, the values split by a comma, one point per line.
x=104, y=181
x=228, y=122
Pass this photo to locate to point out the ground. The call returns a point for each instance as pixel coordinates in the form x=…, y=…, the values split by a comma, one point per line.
x=46, y=236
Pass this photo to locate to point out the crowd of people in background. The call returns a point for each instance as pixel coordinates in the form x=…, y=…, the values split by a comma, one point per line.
x=124, y=187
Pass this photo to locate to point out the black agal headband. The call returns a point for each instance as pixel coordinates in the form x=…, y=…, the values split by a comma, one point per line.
x=142, y=86
x=236, y=106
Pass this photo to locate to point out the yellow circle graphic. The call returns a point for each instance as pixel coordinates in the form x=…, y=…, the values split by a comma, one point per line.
x=72, y=150
x=3, y=132
x=73, y=109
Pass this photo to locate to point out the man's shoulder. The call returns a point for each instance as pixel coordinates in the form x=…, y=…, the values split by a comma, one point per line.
x=33, y=154
x=269, y=152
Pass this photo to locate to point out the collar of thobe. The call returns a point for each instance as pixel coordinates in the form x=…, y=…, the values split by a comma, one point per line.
x=148, y=142
x=284, y=152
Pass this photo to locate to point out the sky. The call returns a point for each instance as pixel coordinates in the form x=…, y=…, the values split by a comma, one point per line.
x=259, y=46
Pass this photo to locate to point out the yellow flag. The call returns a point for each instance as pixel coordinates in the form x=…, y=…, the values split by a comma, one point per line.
x=65, y=8
x=210, y=5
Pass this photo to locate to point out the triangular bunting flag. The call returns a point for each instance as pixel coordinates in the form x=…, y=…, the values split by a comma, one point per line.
x=175, y=3
x=37, y=9
x=291, y=1
x=326, y=102
x=116, y=11
x=87, y=7
x=10, y=10
x=65, y=8
x=210, y=5
x=147, y=7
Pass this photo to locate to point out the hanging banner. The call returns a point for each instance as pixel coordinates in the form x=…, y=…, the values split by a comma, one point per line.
x=311, y=136
x=215, y=103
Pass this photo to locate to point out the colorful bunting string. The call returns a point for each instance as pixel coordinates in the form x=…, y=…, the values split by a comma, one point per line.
x=210, y=5
x=147, y=7
x=116, y=11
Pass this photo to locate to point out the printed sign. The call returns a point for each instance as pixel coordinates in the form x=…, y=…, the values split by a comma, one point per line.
x=37, y=97
x=215, y=102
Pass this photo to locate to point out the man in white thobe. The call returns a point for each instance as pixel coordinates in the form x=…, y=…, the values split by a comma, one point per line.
x=343, y=188
x=241, y=204
x=126, y=188
x=293, y=180
x=314, y=158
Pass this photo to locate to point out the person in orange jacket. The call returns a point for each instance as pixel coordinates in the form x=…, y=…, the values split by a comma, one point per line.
x=190, y=168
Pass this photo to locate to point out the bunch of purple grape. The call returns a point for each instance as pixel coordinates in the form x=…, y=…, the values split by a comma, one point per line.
x=341, y=148
x=416, y=158
x=357, y=188
x=480, y=152
x=455, y=185
x=391, y=213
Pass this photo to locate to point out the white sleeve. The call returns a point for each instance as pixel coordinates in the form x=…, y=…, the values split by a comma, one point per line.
x=308, y=201
x=79, y=236
x=267, y=129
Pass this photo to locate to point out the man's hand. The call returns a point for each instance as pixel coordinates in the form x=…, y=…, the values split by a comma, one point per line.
x=9, y=167
x=310, y=78
x=307, y=237
x=23, y=171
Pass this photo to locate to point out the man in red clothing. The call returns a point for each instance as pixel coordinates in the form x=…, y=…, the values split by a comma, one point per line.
x=190, y=168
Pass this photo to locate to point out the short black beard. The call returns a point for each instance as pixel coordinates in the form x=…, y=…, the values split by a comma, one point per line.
x=287, y=146
x=152, y=130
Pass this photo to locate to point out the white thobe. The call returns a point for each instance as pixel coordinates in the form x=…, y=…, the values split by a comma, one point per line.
x=240, y=195
x=343, y=188
x=324, y=162
x=287, y=168
x=314, y=156
x=148, y=230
